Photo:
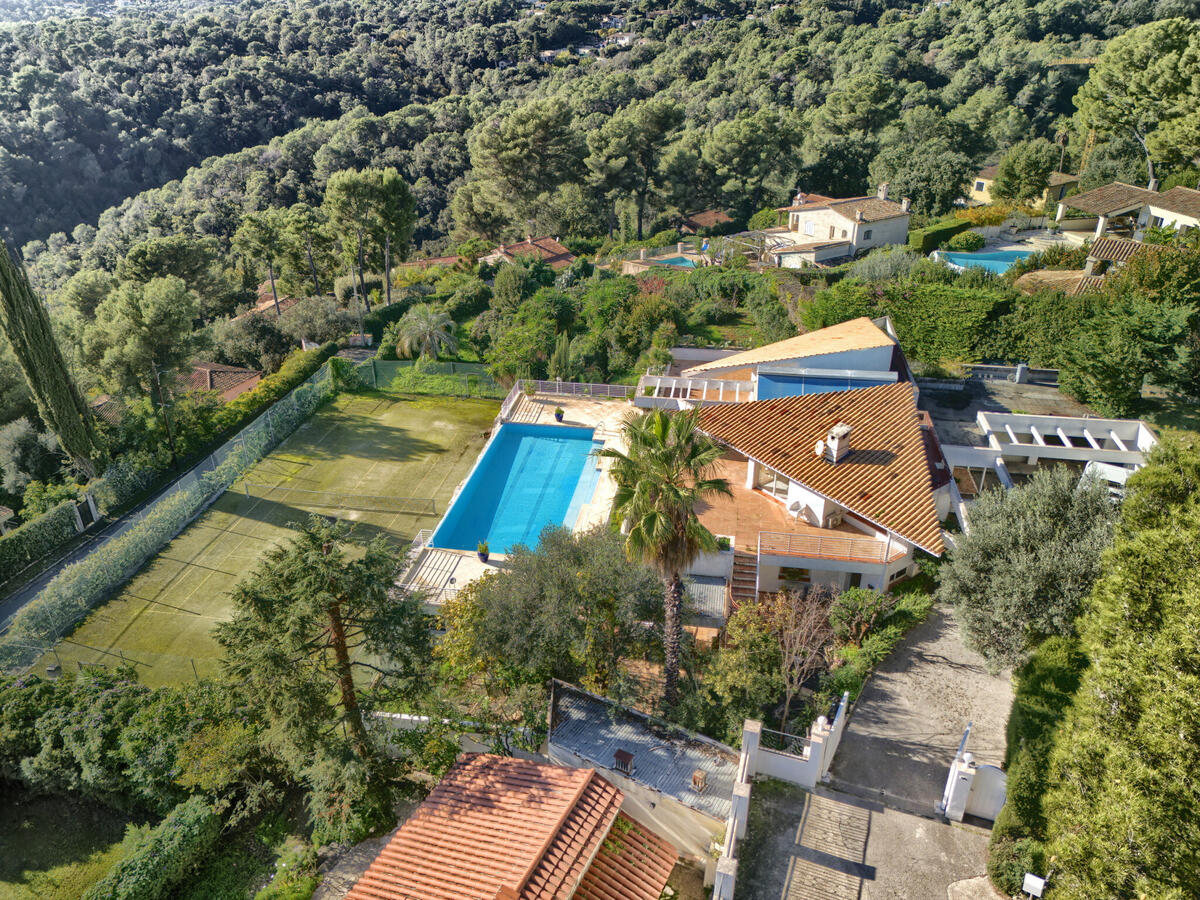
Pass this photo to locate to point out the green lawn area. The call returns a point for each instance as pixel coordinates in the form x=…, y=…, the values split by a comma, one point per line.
x=54, y=848
x=368, y=443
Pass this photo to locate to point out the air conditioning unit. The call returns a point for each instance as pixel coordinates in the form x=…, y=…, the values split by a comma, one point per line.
x=834, y=519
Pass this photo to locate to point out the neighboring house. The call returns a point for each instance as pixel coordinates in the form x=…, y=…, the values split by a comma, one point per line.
x=621, y=39
x=1130, y=210
x=447, y=261
x=1107, y=254
x=853, y=354
x=499, y=828
x=547, y=249
x=676, y=782
x=1057, y=186
x=821, y=229
x=837, y=488
x=703, y=220
x=266, y=303
x=228, y=381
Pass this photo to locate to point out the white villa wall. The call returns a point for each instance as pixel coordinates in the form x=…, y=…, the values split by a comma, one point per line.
x=690, y=831
x=883, y=234
x=869, y=359
x=798, y=493
x=1169, y=218
x=826, y=225
x=833, y=572
x=714, y=565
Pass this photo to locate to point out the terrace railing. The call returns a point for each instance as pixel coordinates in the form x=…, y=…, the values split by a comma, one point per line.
x=576, y=389
x=835, y=546
x=699, y=390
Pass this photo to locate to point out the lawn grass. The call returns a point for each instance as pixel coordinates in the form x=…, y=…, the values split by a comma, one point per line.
x=367, y=443
x=54, y=848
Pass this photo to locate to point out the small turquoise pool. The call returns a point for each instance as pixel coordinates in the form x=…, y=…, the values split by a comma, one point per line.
x=997, y=261
x=680, y=262
x=528, y=477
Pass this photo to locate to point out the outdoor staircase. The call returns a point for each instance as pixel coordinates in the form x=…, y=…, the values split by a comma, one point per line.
x=744, y=585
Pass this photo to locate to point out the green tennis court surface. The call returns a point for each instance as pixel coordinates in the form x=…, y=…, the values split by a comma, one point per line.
x=386, y=463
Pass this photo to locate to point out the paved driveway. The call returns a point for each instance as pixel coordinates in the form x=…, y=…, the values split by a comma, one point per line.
x=907, y=724
x=831, y=846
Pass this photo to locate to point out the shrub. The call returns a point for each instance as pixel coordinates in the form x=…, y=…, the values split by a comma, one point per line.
x=927, y=239
x=966, y=242
x=343, y=287
x=884, y=264
x=36, y=538
x=164, y=857
x=382, y=316
x=298, y=367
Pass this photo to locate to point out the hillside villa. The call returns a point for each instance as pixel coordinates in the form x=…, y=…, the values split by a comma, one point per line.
x=547, y=249
x=821, y=230
x=1058, y=185
x=1123, y=210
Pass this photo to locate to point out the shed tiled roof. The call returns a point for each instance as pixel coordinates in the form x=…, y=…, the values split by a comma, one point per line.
x=1088, y=284
x=708, y=218
x=496, y=828
x=988, y=173
x=1059, y=178
x=856, y=334
x=1114, y=249
x=633, y=864
x=208, y=376
x=1111, y=199
x=1181, y=200
x=885, y=478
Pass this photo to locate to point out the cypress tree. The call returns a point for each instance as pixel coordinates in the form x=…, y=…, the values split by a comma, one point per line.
x=59, y=402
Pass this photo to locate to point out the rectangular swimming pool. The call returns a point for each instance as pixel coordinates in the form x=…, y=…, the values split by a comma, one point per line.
x=998, y=261
x=528, y=477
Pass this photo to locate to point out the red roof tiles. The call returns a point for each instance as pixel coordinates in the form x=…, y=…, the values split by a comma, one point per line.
x=633, y=864
x=497, y=828
x=885, y=479
x=547, y=249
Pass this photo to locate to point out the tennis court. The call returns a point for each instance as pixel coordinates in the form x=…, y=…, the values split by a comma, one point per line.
x=386, y=463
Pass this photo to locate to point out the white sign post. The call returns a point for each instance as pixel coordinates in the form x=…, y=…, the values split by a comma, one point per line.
x=1033, y=885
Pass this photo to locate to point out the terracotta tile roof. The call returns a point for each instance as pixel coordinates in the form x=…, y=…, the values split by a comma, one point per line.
x=266, y=303
x=1088, y=284
x=1059, y=178
x=1111, y=199
x=633, y=864
x=225, y=380
x=496, y=828
x=1114, y=249
x=807, y=201
x=856, y=334
x=1181, y=200
x=885, y=478
x=873, y=209
x=988, y=173
x=546, y=249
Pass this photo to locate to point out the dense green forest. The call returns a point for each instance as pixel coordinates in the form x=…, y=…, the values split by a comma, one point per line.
x=827, y=96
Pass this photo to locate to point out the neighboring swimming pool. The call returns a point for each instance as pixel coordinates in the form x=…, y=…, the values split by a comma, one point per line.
x=528, y=477
x=680, y=262
x=772, y=386
x=997, y=261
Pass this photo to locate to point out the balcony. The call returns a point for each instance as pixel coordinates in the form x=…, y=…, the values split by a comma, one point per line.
x=834, y=545
x=673, y=390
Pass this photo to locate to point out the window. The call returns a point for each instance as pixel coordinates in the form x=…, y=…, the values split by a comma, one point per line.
x=979, y=185
x=866, y=236
x=855, y=579
x=831, y=231
x=795, y=576
x=843, y=232
x=809, y=228
x=771, y=482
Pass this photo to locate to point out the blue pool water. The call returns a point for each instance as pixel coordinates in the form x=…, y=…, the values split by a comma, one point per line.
x=681, y=262
x=771, y=387
x=530, y=476
x=995, y=261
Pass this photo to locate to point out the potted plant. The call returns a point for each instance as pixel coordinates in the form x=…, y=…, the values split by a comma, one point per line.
x=558, y=414
x=481, y=550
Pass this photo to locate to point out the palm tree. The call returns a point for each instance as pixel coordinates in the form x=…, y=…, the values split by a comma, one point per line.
x=666, y=471
x=425, y=330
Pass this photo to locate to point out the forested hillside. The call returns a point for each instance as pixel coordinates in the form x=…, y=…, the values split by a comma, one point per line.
x=828, y=96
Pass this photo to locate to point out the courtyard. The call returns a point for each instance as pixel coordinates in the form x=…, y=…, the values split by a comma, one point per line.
x=387, y=463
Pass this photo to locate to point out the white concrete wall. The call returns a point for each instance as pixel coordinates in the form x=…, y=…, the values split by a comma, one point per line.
x=820, y=507
x=690, y=831
x=1170, y=219
x=883, y=234
x=714, y=565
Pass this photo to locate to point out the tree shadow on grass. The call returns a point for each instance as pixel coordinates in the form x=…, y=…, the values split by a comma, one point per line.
x=38, y=834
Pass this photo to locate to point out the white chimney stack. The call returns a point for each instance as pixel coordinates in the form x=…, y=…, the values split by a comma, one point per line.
x=837, y=443
x=883, y=191
x=858, y=216
x=905, y=204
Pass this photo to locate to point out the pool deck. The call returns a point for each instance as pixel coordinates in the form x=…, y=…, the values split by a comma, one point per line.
x=440, y=573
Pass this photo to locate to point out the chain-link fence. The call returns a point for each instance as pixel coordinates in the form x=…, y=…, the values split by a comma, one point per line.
x=447, y=379
x=80, y=586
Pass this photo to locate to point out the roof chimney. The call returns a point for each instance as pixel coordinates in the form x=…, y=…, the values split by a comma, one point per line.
x=1153, y=185
x=858, y=216
x=906, y=204
x=623, y=762
x=837, y=443
x=699, y=780
x=798, y=200
x=883, y=191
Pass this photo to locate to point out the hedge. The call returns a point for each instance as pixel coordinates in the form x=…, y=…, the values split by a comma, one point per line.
x=967, y=242
x=382, y=316
x=36, y=538
x=1046, y=684
x=80, y=586
x=295, y=369
x=926, y=240
x=164, y=857
x=343, y=287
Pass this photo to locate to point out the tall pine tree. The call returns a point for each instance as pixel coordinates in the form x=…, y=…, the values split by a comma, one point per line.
x=59, y=402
